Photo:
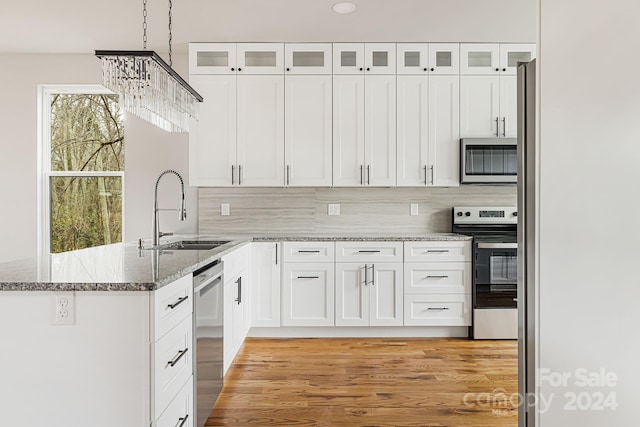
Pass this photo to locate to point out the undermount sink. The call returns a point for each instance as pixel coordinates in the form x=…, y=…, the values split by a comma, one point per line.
x=192, y=245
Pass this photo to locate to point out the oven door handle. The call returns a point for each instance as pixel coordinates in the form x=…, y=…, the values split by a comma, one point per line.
x=491, y=245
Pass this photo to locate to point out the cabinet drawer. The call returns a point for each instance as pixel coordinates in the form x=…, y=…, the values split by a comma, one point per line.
x=172, y=363
x=236, y=261
x=437, y=251
x=180, y=408
x=309, y=251
x=437, y=278
x=369, y=252
x=172, y=303
x=437, y=310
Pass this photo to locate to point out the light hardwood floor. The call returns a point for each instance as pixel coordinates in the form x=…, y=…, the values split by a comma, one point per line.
x=370, y=382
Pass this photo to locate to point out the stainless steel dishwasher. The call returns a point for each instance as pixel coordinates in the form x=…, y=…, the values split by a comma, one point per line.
x=207, y=338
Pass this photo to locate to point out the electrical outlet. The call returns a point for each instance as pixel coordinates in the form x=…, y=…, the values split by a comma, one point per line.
x=333, y=209
x=224, y=209
x=414, y=209
x=64, y=308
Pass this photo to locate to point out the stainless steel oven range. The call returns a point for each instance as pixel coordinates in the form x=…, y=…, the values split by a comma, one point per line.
x=494, y=279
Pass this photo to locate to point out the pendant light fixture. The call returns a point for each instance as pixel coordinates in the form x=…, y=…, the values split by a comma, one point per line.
x=148, y=87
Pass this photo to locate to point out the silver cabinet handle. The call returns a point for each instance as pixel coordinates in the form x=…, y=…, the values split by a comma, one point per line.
x=239, y=174
x=504, y=126
x=438, y=308
x=369, y=252
x=432, y=174
x=175, y=360
x=233, y=168
x=177, y=303
x=361, y=175
x=437, y=277
x=184, y=420
x=437, y=251
x=308, y=252
x=366, y=279
x=307, y=277
x=287, y=175
x=373, y=274
x=239, y=282
x=497, y=126
x=276, y=254
x=368, y=175
x=425, y=174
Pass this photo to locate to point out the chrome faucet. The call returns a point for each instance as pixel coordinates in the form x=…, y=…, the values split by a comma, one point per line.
x=182, y=212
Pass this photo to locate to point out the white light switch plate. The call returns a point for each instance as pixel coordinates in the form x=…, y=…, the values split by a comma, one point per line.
x=224, y=209
x=414, y=209
x=333, y=209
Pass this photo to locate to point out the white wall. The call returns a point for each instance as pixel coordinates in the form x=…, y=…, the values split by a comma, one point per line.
x=589, y=57
x=148, y=152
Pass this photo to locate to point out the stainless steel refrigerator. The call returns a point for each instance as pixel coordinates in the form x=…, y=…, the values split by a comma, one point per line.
x=527, y=279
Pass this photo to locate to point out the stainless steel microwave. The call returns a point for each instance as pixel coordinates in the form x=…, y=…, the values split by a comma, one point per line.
x=488, y=161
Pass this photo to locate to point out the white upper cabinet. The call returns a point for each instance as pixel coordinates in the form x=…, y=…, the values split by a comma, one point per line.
x=308, y=58
x=428, y=131
x=494, y=58
x=308, y=138
x=428, y=58
x=260, y=58
x=511, y=54
x=479, y=106
x=364, y=58
x=260, y=131
x=212, y=58
x=479, y=58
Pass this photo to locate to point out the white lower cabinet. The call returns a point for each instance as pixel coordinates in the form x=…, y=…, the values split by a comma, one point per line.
x=308, y=294
x=180, y=410
x=266, y=261
x=237, y=315
x=369, y=294
x=437, y=309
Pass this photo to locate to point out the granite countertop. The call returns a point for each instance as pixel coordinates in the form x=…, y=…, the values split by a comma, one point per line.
x=124, y=267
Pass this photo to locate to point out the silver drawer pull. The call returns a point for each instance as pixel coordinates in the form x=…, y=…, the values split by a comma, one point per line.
x=178, y=357
x=368, y=252
x=438, y=308
x=437, y=277
x=183, y=419
x=308, y=252
x=177, y=303
x=308, y=277
x=437, y=251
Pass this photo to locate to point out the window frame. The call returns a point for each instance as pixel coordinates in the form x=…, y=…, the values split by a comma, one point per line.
x=45, y=93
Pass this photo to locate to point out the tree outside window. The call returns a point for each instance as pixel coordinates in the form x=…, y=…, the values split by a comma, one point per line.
x=84, y=169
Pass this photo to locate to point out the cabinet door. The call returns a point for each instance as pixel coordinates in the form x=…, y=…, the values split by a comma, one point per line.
x=265, y=284
x=212, y=58
x=348, y=131
x=509, y=106
x=307, y=58
x=352, y=294
x=479, y=106
x=478, y=58
x=308, y=139
x=511, y=54
x=386, y=294
x=444, y=131
x=260, y=58
x=380, y=130
x=444, y=58
x=380, y=58
x=412, y=58
x=308, y=294
x=212, y=139
x=238, y=305
x=348, y=58
x=260, y=131
x=413, y=130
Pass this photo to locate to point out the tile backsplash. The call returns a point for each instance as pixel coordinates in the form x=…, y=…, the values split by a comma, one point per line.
x=272, y=211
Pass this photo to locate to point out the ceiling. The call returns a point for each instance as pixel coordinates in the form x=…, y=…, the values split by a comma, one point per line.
x=81, y=26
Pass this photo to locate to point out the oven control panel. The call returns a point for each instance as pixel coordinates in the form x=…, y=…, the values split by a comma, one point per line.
x=485, y=215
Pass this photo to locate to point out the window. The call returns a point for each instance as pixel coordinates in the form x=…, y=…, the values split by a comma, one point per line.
x=82, y=160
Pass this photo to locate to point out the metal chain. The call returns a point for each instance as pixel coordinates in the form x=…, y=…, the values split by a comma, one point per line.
x=144, y=24
x=170, y=35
